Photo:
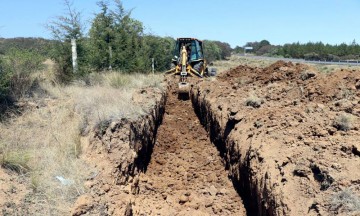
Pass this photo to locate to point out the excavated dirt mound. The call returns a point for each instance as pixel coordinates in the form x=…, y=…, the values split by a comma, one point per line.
x=289, y=135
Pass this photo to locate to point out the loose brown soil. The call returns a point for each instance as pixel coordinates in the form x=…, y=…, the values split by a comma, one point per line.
x=289, y=134
x=12, y=191
x=186, y=175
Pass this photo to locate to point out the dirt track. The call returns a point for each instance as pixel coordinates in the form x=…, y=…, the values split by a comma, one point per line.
x=185, y=175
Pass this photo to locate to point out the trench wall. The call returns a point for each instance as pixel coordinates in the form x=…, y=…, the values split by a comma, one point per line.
x=249, y=175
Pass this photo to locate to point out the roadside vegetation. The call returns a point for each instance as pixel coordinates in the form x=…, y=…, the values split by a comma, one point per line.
x=44, y=144
x=46, y=108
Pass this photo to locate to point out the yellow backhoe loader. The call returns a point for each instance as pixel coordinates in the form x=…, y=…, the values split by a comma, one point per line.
x=189, y=61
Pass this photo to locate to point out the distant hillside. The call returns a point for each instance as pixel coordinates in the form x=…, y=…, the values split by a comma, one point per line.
x=40, y=45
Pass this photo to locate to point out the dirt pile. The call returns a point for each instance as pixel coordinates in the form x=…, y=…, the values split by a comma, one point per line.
x=289, y=136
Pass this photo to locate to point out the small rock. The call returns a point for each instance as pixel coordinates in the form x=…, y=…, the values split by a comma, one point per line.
x=221, y=192
x=128, y=210
x=113, y=126
x=336, y=166
x=216, y=209
x=83, y=204
x=302, y=170
x=212, y=190
x=106, y=188
x=89, y=184
x=307, y=75
x=160, y=161
x=183, y=199
x=331, y=130
x=357, y=85
x=209, y=204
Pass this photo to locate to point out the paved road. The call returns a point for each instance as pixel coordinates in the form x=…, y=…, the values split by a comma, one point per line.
x=352, y=63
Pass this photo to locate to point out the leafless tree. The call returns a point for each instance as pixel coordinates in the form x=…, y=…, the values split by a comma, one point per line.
x=68, y=26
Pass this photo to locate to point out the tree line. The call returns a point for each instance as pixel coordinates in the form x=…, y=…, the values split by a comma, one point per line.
x=309, y=51
x=38, y=45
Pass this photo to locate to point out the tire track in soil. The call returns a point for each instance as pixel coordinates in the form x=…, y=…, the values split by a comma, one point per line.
x=185, y=175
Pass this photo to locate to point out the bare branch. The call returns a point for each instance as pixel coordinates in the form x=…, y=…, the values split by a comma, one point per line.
x=68, y=26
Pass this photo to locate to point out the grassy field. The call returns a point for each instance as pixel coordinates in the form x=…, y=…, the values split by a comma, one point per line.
x=235, y=61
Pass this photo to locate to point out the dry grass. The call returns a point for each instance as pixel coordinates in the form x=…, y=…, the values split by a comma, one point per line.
x=346, y=199
x=49, y=138
x=254, y=101
x=124, y=81
x=235, y=61
x=344, y=122
x=333, y=68
x=15, y=161
x=45, y=143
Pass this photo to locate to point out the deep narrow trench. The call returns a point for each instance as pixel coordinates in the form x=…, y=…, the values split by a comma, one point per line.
x=219, y=137
x=185, y=174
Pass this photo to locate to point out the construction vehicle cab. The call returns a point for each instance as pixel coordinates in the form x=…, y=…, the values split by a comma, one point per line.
x=188, y=61
x=194, y=51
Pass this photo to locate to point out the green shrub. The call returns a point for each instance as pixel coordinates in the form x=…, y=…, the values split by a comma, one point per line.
x=4, y=80
x=17, y=69
x=15, y=161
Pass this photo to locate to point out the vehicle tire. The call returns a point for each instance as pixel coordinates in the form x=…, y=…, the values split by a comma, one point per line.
x=198, y=66
x=213, y=72
x=206, y=72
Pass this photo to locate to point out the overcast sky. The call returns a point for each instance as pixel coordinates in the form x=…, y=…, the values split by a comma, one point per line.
x=232, y=21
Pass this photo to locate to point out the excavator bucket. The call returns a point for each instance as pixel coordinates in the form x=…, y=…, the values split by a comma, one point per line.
x=184, y=88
